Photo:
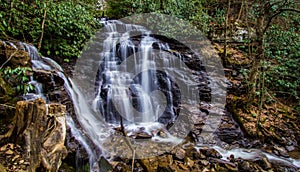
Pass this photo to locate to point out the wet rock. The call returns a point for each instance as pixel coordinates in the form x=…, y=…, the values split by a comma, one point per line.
x=280, y=151
x=210, y=152
x=244, y=166
x=188, y=162
x=204, y=162
x=179, y=153
x=162, y=134
x=290, y=148
x=228, y=131
x=224, y=164
x=264, y=163
x=104, y=165
x=193, y=154
x=142, y=135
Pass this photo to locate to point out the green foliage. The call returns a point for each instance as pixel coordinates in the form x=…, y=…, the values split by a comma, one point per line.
x=282, y=76
x=19, y=78
x=73, y=25
x=67, y=24
x=192, y=11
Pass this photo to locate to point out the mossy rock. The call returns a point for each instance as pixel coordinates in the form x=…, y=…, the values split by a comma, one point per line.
x=7, y=92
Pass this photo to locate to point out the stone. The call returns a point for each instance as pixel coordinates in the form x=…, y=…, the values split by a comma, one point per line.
x=162, y=134
x=182, y=166
x=210, y=152
x=104, y=165
x=15, y=157
x=205, y=170
x=281, y=151
x=142, y=135
x=244, y=166
x=180, y=153
x=163, y=161
x=9, y=152
x=3, y=148
x=188, y=162
x=204, y=162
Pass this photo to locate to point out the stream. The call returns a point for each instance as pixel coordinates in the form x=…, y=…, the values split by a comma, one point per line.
x=137, y=80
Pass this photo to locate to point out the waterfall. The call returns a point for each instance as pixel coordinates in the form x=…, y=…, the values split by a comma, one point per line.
x=132, y=86
x=118, y=88
x=141, y=90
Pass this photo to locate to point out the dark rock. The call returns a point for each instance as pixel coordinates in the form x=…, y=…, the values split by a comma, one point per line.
x=104, y=165
x=179, y=153
x=280, y=151
x=244, y=166
x=226, y=164
x=142, y=135
x=210, y=152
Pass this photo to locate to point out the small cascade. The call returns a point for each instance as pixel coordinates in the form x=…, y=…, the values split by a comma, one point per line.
x=252, y=154
x=47, y=64
x=38, y=91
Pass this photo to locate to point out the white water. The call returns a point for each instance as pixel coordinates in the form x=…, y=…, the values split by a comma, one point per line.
x=117, y=80
x=253, y=154
x=94, y=127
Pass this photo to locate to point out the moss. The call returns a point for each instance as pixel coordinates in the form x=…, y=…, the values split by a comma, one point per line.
x=6, y=91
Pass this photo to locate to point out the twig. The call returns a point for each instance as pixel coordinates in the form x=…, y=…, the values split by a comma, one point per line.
x=4, y=105
x=240, y=13
x=226, y=25
x=43, y=26
x=133, y=157
x=278, y=13
x=248, y=29
x=128, y=142
x=8, y=59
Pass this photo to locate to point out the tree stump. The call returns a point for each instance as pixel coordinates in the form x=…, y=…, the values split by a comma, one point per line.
x=41, y=130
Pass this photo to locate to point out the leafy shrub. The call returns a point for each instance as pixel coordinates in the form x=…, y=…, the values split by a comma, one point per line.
x=68, y=24
x=19, y=78
x=192, y=11
x=282, y=76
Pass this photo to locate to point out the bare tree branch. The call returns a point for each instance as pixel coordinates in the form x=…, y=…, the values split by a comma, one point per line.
x=280, y=11
x=8, y=59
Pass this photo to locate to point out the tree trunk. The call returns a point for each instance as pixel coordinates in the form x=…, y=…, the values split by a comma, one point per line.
x=42, y=131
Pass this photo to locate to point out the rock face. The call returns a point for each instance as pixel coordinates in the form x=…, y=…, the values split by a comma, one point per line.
x=41, y=129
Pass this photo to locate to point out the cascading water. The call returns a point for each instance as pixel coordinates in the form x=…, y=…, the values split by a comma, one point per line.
x=117, y=84
x=124, y=95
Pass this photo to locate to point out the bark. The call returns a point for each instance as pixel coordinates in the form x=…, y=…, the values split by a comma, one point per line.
x=42, y=131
